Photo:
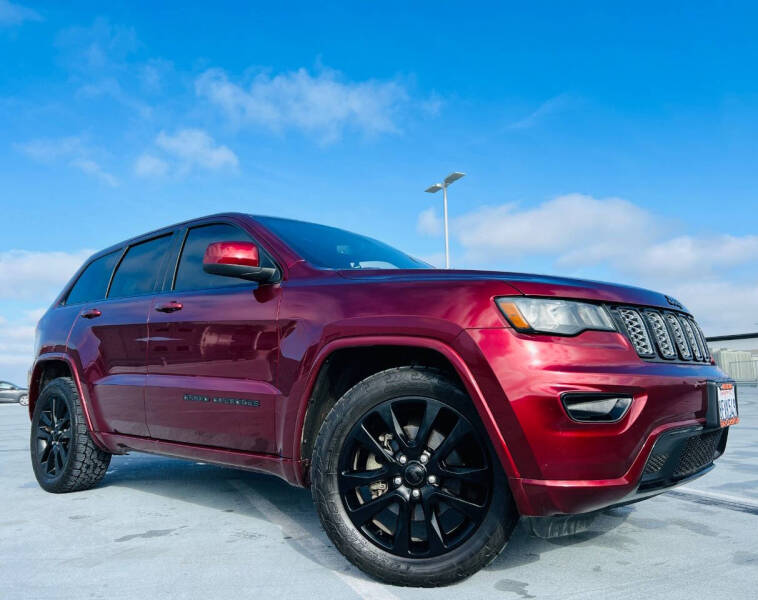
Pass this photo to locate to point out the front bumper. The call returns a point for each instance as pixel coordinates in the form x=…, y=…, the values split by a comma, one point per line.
x=565, y=467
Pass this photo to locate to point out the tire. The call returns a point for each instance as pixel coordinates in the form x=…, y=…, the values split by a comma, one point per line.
x=23, y=400
x=424, y=557
x=64, y=456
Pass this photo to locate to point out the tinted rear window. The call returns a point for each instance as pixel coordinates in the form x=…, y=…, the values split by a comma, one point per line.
x=190, y=275
x=93, y=282
x=138, y=271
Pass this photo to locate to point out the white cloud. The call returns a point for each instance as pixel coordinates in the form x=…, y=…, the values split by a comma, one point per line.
x=98, y=47
x=110, y=87
x=148, y=165
x=714, y=275
x=429, y=222
x=581, y=227
x=29, y=274
x=15, y=14
x=17, y=345
x=73, y=151
x=196, y=147
x=553, y=105
x=90, y=167
x=29, y=277
x=184, y=151
x=323, y=105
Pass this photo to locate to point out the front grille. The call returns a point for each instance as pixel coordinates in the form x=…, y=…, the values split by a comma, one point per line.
x=687, y=326
x=699, y=451
x=657, y=334
x=662, y=335
x=681, y=341
x=637, y=332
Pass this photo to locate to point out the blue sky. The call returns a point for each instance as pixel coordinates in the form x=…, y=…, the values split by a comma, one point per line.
x=612, y=142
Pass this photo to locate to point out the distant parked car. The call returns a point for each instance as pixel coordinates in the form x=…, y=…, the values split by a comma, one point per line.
x=12, y=393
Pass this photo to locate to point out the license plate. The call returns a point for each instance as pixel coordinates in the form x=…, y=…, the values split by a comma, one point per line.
x=727, y=405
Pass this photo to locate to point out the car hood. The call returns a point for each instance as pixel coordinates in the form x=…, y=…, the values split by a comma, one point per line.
x=527, y=284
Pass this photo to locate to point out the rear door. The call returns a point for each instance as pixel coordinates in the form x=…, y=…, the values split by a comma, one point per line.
x=212, y=353
x=109, y=338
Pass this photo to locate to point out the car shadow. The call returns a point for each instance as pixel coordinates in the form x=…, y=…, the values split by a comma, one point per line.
x=220, y=488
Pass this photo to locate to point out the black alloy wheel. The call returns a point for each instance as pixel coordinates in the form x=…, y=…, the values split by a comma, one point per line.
x=53, y=437
x=414, y=478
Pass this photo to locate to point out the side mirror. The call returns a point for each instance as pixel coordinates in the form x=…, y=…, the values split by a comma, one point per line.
x=236, y=259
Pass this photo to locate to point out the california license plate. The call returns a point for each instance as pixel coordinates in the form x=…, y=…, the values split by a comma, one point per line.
x=727, y=398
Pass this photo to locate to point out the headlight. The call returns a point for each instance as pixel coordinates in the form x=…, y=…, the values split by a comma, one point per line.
x=561, y=317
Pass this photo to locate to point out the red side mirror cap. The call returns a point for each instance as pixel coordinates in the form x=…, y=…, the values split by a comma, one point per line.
x=236, y=259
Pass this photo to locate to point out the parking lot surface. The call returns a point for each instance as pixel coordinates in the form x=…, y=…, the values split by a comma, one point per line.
x=163, y=528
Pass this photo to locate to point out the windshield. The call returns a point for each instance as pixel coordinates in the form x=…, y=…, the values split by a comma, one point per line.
x=332, y=248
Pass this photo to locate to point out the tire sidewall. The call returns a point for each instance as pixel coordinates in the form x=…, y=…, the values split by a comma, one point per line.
x=489, y=538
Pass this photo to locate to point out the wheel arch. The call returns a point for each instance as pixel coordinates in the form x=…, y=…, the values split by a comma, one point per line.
x=319, y=395
x=50, y=366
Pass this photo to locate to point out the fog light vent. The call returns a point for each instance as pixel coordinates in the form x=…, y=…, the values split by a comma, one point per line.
x=596, y=408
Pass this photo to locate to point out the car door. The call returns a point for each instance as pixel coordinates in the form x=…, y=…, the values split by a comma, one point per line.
x=109, y=338
x=212, y=353
x=7, y=391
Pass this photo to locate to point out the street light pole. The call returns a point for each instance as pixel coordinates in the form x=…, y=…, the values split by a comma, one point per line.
x=455, y=176
x=447, y=239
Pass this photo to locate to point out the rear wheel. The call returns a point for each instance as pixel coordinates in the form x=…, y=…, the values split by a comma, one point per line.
x=64, y=457
x=23, y=400
x=405, y=481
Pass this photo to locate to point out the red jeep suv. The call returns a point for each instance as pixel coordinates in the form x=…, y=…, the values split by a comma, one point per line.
x=427, y=409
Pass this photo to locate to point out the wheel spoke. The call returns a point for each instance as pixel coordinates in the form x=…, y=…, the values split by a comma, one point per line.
x=65, y=435
x=455, y=436
x=368, y=441
x=468, y=509
x=44, y=452
x=50, y=462
x=476, y=475
x=46, y=420
x=349, y=480
x=366, y=511
x=58, y=460
x=44, y=434
x=425, y=428
x=390, y=420
x=434, y=536
x=401, y=540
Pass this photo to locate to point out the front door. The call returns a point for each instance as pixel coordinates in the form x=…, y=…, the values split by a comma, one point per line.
x=212, y=354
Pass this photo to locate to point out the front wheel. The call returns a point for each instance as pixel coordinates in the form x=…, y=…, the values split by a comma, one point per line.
x=406, y=483
x=64, y=457
x=23, y=400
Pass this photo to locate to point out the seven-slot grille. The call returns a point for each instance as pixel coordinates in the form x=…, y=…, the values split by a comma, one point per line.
x=663, y=334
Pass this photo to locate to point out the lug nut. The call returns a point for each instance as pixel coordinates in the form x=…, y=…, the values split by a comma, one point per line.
x=424, y=458
x=432, y=479
x=397, y=481
x=415, y=493
x=402, y=459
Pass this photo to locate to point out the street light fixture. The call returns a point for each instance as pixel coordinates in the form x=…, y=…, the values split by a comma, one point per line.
x=433, y=189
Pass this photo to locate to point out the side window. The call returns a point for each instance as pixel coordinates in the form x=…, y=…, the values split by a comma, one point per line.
x=190, y=275
x=138, y=271
x=5, y=386
x=93, y=282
